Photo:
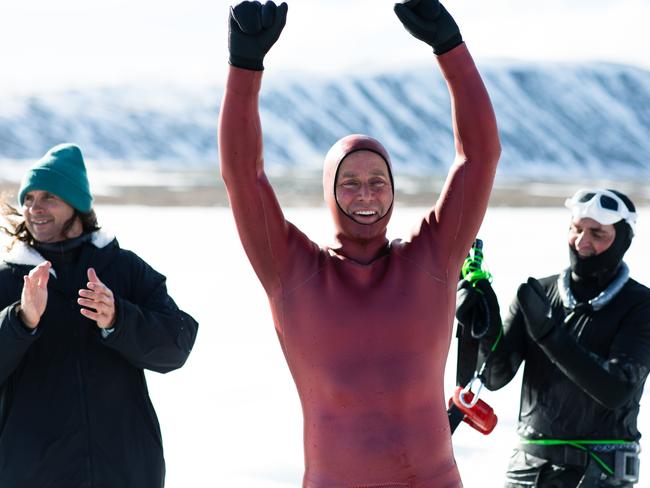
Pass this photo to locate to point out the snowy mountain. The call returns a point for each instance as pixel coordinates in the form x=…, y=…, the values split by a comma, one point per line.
x=591, y=120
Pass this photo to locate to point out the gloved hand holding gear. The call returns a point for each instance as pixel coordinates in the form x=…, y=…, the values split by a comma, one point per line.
x=253, y=29
x=466, y=302
x=477, y=308
x=430, y=22
x=536, y=308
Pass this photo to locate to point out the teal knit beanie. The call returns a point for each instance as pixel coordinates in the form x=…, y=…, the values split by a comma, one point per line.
x=61, y=172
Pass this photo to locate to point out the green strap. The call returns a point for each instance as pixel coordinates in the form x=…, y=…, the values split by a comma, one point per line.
x=474, y=270
x=496, y=341
x=582, y=445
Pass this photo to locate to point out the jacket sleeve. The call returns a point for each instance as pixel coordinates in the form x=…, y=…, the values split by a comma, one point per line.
x=457, y=215
x=15, y=340
x=611, y=381
x=261, y=225
x=502, y=364
x=150, y=331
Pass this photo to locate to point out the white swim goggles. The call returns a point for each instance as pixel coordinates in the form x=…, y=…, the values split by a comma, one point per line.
x=604, y=206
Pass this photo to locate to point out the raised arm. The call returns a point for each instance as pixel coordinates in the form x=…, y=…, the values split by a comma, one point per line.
x=254, y=28
x=457, y=216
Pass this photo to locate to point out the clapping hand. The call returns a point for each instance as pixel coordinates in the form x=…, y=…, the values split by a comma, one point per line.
x=98, y=302
x=33, y=298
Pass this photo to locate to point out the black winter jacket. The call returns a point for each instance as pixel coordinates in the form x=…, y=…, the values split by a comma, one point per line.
x=74, y=406
x=584, y=380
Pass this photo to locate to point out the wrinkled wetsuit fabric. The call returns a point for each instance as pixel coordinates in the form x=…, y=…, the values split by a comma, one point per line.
x=365, y=326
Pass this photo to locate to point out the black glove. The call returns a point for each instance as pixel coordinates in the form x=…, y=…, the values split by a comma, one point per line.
x=254, y=28
x=536, y=308
x=430, y=22
x=477, y=309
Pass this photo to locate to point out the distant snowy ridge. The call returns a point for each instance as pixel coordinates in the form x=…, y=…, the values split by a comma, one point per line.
x=588, y=120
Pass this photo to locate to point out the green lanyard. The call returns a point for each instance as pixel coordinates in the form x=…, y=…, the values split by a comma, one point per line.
x=473, y=270
x=582, y=445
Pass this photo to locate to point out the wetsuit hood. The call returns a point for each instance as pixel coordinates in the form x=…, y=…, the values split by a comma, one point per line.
x=359, y=241
x=589, y=276
x=592, y=274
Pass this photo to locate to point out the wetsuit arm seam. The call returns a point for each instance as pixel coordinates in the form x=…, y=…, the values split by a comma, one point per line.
x=461, y=211
x=421, y=268
x=274, y=268
x=303, y=282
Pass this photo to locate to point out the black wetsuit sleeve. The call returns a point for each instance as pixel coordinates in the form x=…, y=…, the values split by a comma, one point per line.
x=611, y=381
x=501, y=365
x=150, y=330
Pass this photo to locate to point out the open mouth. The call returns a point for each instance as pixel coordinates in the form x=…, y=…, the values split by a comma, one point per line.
x=365, y=216
x=364, y=213
x=36, y=222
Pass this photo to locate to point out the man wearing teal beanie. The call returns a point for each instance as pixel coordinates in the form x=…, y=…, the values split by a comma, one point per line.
x=74, y=406
x=61, y=171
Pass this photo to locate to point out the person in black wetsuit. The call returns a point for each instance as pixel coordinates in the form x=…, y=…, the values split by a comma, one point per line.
x=584, y=336
x=80, y=320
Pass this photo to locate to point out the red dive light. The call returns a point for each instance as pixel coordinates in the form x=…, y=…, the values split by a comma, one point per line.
x=479, y=415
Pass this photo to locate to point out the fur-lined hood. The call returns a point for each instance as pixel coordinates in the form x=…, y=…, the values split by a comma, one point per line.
x=25, y=255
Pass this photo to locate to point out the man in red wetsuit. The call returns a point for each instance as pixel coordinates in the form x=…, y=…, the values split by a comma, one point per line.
x=365, y=325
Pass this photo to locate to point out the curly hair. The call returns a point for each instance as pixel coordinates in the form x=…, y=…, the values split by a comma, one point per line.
x=17, y=230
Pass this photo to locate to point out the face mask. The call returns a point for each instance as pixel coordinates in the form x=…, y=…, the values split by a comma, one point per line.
x=603, y=206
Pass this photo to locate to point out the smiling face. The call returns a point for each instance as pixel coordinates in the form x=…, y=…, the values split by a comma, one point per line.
x=590, y=238
x=363, y=187
x=45, y=216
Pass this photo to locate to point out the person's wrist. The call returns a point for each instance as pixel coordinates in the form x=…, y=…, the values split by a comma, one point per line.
x=23, y=317
x=446, y=46
x=246, y=63
x=110, y=325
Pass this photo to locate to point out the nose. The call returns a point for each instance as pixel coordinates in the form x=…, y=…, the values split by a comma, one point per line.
x=34, y=205
x=365, y=192
x=582, y=241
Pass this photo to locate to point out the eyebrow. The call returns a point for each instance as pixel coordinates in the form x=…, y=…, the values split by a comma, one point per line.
x=45, y=194
x=348, y=174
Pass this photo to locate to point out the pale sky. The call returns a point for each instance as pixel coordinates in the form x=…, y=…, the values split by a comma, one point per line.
x=53, y=44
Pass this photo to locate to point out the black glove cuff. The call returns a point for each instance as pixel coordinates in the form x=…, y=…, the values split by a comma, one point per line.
x=448, y=45
x=246, y=63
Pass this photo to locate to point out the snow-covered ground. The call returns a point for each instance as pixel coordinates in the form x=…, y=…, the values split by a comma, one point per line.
x=231, y=416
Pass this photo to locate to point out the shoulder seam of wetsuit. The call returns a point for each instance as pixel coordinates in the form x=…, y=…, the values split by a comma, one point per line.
x=420, y=267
